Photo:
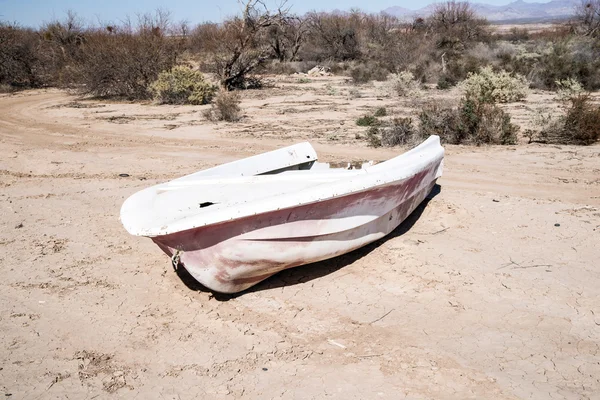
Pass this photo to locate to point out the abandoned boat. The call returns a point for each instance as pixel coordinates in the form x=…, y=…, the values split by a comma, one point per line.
x=237, y=224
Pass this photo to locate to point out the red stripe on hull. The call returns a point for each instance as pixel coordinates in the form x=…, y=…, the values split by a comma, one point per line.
x=225, y=258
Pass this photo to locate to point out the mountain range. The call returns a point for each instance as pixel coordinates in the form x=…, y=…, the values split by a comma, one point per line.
x=516, y=11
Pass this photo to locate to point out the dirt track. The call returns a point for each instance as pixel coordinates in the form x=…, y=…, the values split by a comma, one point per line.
x=478, y=295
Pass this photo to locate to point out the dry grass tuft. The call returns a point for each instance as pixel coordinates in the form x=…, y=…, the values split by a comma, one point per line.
x=225, y=107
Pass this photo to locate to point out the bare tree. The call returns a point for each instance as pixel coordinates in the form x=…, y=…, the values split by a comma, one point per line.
x=240, y=45
x=286, y=37
x=456, y=24
x=588, y=16
x=335, y=36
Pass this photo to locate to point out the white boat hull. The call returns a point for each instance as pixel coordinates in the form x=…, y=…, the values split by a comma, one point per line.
x=232, y=255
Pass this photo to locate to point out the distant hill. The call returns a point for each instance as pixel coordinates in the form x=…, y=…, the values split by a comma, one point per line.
x=516, y=11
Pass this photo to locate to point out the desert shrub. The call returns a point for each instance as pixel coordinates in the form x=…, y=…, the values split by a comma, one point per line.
x=518, y=34
x=493, y=126
x=182, y=85
x=405, y=83
x=354, y=93
x=18, y=58
x=60, y=48
x=225, y=107
x=367, y=120
x=460, y=65
x=473, y=122
x=580, y=125
x=276, y=67
x=554, y=65
x=123, y=61
x=399, y=132
x=363, y=73
x=490, y=87
x=436, y=119
x=45, y=57
x=445, y=82
x=374, y=136
x=457, y=65
x=201, y=38
x=545, y=62
x=5, y=88
x=380, y=112
x=568, y=88
x=332, y=37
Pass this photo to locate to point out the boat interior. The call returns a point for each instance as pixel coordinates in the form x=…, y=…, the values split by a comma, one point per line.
x=222, y=191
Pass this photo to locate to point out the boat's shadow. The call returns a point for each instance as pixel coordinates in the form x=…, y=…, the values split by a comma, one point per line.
x=306, y=273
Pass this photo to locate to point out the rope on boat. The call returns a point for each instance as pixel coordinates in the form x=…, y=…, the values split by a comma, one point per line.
x=176, y=257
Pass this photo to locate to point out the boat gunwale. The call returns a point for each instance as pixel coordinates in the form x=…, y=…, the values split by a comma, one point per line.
x=413, y=161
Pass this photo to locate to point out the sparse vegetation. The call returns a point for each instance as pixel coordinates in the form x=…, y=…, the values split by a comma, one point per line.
x=588, y=16
x=473, y=122
x=580, y=125
x=452, y=46
x=367, y=120
x=354, y=93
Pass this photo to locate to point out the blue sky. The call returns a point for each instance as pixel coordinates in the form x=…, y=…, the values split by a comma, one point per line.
x=34, y=12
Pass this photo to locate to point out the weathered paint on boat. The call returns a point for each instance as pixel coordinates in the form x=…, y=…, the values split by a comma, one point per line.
x=232, y=255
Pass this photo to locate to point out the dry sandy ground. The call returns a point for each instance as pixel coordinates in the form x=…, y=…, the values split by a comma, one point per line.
x=490, y=290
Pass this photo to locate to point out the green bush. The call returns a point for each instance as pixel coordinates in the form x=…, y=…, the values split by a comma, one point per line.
x=568, y=88
x=488, y=86
x=473, y=122
x=182, y=85
x=367, y=120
